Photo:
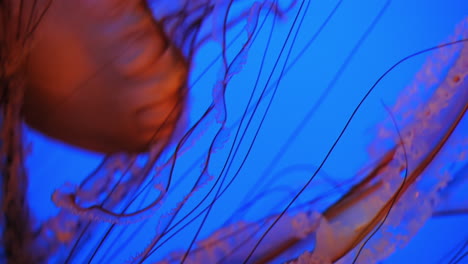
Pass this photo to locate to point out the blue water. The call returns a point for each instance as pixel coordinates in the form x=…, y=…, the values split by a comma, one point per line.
x=323, y=87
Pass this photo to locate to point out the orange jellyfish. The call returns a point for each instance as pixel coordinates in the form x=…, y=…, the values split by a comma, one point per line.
x=110, y=83
x=112, y=77
x=100, y=75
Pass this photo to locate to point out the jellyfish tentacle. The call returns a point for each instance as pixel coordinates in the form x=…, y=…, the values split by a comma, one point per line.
x=383, y=193
x=425, y=163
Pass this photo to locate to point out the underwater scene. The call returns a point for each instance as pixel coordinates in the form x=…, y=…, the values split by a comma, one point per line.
x=230, y=131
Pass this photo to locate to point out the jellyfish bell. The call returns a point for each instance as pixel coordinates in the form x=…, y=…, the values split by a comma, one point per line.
x=109, y=83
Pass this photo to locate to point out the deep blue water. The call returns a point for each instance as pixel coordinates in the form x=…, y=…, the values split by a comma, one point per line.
x=323, y=87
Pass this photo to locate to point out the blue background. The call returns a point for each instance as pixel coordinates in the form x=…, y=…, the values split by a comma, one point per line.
x=335, y=62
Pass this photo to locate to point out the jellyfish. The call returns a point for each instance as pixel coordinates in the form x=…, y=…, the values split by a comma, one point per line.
x=217, y=173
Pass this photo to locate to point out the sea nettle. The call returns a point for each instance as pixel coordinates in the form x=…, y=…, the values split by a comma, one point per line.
x=228, y=131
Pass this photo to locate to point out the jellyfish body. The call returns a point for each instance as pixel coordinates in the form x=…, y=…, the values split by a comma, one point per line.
x=109, y=83
x=168, y=197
